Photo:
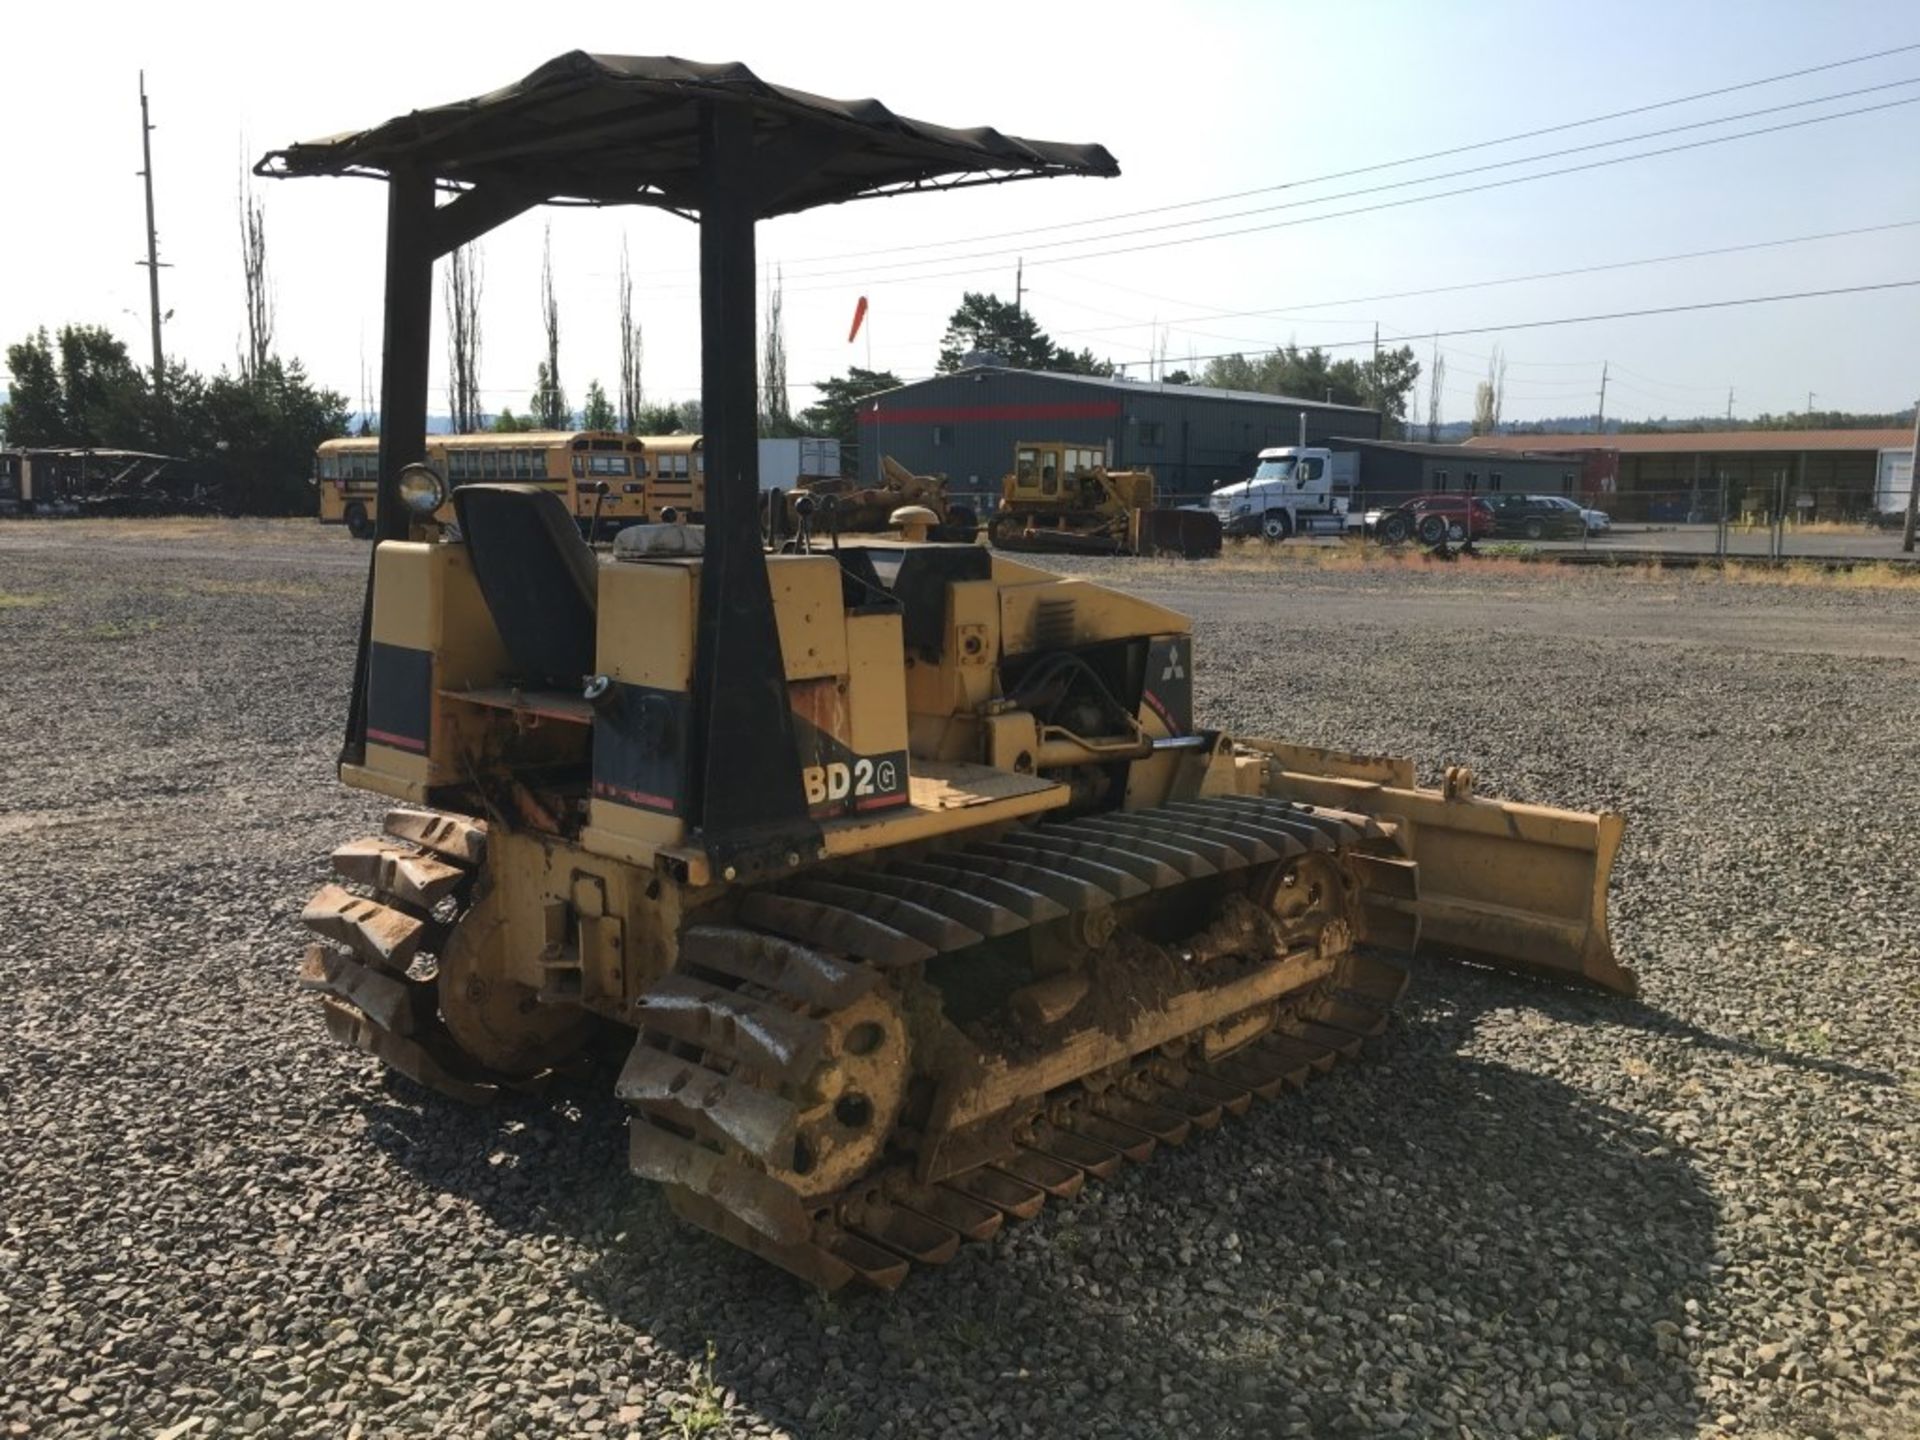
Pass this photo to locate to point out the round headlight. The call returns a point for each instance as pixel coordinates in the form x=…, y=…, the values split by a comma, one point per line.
x=421, y=490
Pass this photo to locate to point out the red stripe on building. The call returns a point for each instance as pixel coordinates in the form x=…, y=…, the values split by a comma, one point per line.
x=956, y=414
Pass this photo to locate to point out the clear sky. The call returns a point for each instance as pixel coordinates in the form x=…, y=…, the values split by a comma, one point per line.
x=1195, y=100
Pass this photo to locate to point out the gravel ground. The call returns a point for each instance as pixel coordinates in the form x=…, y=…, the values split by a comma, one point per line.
x=1538, y=1213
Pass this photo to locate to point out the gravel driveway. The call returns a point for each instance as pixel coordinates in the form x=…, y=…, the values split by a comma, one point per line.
x=1537, y=1213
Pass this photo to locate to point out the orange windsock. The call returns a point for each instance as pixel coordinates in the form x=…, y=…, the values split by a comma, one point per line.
x=859, y=314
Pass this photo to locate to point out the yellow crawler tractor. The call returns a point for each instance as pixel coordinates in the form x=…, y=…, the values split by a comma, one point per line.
x=903, y=875
x=1061, y=499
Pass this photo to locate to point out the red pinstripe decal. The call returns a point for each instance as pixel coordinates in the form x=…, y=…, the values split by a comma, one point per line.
x=399, y=742
x=953, y=414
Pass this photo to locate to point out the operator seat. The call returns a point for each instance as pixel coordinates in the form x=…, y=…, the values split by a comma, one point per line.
x=539, y=578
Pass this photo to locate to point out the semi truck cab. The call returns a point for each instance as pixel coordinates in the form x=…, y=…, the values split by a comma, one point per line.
x=1294, y=490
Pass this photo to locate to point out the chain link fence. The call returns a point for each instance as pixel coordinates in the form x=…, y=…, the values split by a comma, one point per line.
x=1774, y=519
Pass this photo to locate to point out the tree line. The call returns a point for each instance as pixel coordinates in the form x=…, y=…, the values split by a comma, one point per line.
x=250, y=433
x=249, y=436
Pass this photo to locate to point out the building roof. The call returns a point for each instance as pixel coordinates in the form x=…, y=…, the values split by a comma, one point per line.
x=1446, y=452
x=1705, y=442
x=627, y=129
x=1132, y=387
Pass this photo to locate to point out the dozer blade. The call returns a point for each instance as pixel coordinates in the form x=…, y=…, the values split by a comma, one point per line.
x=1188, y=534
x=1518, y=887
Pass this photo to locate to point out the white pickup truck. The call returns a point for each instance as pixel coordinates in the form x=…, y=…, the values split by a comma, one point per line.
x=1295, y=490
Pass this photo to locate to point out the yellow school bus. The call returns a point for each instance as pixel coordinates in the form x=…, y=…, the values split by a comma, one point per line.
x=676, y=467
x=570, y=463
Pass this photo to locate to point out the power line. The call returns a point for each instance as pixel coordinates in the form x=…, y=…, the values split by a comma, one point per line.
x=1611, y=315
x=1027, y=246
x=1282, y=312
x=868, y=281
x=1384, y=164
x=1560, y=320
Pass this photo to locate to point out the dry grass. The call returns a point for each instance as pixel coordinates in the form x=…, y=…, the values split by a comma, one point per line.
x=1811, y=574
x=1342, y=555
x=22, y=600
x=176, y=527
x=1812, y=527
x=1503, y=562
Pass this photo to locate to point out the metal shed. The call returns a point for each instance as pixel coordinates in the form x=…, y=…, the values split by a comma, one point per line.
x=1677, y=475
x=965, y=425
x=1390, y=469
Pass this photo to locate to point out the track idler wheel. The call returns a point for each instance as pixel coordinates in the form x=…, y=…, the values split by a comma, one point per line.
x=497, y=1019
x=410, y=974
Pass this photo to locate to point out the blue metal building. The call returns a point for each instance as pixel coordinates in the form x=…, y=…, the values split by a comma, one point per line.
x=965, y=426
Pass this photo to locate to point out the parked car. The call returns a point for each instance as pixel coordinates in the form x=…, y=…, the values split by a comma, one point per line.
x=1536, y=517
x=1433, y=518
x=1597, y=522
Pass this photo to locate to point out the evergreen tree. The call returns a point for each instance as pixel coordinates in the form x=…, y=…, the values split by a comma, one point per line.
x=599, y=414
x=989, y=324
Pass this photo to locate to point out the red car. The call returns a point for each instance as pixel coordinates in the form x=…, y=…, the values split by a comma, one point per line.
x=1433, y=518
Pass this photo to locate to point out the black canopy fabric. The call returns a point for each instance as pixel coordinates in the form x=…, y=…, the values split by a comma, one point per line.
x=625, y=129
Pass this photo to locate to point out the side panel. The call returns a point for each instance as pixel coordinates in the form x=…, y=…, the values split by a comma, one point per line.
x=645, y=646
x=807, y=607
x=432, y=634
x=406, y=623
x=852, y=728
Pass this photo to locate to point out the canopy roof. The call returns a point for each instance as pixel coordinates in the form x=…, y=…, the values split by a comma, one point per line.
x=625, y=129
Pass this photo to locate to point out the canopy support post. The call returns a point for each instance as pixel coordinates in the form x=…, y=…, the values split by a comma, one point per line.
x=407, y=330
x=747, y=800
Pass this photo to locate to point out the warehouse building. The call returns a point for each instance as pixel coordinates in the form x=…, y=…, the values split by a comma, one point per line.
x=965, y=426
x=1390, y=470
x=1676, y=476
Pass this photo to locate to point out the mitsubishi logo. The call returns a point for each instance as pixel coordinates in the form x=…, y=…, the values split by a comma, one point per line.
x=1175, y=670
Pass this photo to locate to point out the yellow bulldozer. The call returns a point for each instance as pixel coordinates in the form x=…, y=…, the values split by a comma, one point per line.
x=836, y=507
x=1061, y=499
x=904, y=878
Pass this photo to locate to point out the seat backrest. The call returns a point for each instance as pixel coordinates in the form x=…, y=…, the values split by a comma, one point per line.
x=539, y=578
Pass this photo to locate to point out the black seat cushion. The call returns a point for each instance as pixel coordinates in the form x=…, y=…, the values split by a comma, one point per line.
x=539, y=578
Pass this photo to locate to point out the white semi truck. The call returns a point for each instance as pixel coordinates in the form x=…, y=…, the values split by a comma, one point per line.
x=1295, y=490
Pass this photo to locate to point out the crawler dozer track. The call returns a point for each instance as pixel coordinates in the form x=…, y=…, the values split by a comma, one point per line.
x=802, y=1090
x=821, y=1081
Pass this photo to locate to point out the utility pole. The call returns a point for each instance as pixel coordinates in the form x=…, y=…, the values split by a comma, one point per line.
x=1600, y=421
x=1376, y=365
x=1019, y=282
x=1913, y=485
x=1809, y=405
x=152, y=262
x=1729, y=405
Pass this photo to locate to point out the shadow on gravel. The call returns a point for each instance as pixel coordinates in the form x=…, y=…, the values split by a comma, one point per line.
x=1581, y=1007
x=1430, y=1240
